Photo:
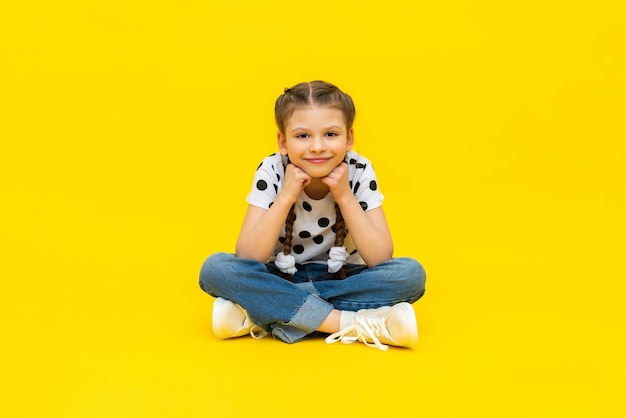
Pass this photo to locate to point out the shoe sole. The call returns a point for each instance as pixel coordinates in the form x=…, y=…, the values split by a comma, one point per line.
x=218, y=305
x=410, y=313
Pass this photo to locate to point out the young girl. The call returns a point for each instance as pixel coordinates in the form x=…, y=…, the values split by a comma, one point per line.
x=314, y=253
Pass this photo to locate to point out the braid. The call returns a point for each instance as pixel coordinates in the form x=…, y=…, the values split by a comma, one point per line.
x=340, y=235
x=291, y=218
x=340, y=228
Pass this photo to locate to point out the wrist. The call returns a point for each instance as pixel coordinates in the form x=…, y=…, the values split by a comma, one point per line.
x=283, y=201
x=344, y=199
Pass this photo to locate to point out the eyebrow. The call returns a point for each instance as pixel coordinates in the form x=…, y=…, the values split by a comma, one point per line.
x=301, y=128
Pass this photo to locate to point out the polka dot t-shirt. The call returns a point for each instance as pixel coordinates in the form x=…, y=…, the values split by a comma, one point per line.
x=313, y=230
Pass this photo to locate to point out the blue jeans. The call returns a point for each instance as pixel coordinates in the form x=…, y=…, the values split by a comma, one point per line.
x=292, y=309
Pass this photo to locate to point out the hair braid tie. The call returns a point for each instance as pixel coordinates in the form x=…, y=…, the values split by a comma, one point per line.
x=285, y=263
x=337, y=257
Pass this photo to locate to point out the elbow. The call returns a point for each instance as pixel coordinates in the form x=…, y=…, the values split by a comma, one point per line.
x=250, y=255
x=387, y=254
x=380, y=258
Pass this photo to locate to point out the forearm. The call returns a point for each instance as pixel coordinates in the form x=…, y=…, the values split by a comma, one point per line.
x=370, y=236
x=258, y=237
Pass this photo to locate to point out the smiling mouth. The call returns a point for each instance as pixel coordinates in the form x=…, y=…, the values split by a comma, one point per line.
x=317, y=160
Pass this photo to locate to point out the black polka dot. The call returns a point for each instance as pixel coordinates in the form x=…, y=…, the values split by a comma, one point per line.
x=261, y=185
x=373, y=185
x=334, y=228
x=278, y=176
x=281, y=240
x=304, y=234
x=270, y=205
x=318, y=239
x=276, y=188
x=307, y=206
x=353, y=252
x=360, y=165
x=363, y=205
x=356, y=186
x=323, y=222
x=351, y=184
x=298, y=249
x=352, y=161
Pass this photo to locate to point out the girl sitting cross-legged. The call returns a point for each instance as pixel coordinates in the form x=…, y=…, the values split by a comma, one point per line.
x=314, y=254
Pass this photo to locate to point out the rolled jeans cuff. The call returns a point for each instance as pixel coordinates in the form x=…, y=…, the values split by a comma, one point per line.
x=307, y=319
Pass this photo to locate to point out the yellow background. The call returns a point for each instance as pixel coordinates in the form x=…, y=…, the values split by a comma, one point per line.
x=130, y=131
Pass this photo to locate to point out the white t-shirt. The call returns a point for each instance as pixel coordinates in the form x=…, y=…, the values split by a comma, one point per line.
x=313, y=234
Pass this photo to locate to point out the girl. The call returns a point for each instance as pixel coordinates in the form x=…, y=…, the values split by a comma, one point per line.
x=314, y=253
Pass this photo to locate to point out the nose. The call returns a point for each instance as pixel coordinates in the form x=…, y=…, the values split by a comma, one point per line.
x=317, y=144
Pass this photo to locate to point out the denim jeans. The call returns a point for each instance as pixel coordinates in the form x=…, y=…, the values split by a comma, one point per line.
x=292, y=309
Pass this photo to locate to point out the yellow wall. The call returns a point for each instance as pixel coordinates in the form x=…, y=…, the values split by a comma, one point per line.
x=130, y=131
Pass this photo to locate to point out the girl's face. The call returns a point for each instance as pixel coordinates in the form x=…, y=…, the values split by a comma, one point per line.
x=316, y=139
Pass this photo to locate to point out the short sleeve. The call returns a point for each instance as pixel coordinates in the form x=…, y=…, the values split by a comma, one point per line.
x=267, y=182
x=364, y=182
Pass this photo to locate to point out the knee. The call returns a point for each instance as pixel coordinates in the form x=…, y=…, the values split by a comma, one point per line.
x=210, y=269
x=415, y=274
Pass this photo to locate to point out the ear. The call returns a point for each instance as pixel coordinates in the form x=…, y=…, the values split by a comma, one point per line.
x=350, y=139
x=282, y=143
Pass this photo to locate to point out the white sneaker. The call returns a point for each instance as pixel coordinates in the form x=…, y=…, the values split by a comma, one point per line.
x=393, y=325
x=231, y=320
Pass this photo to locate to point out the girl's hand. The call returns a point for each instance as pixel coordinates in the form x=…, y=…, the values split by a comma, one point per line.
x=338, y=182
x=295, y=181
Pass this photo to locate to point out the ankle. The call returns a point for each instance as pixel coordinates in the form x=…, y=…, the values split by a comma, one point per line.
x=331, y=323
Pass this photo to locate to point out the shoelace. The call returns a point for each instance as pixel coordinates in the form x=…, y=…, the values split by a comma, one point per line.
x=360, y=330
x=257, y=332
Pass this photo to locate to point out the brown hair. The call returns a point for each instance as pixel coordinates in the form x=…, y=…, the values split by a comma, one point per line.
x=318, y=93
x=306, y=94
